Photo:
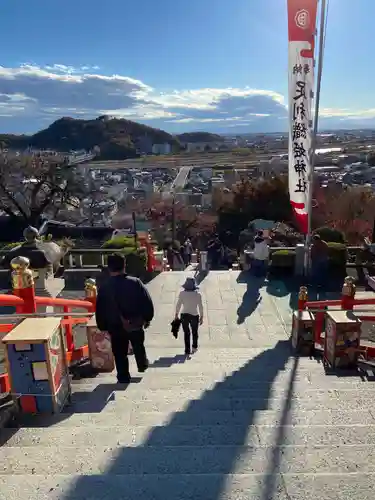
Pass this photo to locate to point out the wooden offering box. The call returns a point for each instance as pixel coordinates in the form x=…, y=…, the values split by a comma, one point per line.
x=37, y=367
x=342, y=339
x=303, y=333
x=100, y=348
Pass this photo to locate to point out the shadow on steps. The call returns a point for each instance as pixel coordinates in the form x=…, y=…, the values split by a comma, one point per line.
x=185, y=472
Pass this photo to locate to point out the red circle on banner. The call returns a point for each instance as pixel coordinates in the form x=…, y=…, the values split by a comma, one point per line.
x=303, y=19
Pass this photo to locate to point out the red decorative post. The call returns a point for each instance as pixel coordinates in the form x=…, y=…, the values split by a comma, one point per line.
x=69, y=339
x=91, y=291
x=23, y=284
x=348, y=294
x=302, y=298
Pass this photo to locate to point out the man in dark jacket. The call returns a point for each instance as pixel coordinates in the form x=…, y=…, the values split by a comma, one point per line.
x=123, y=309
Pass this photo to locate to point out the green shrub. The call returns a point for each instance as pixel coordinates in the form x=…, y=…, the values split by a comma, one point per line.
x=120, y=242
x=136, y=264
x=283, y=258
x=10, y=246
x=338, y=254
x=330, y=235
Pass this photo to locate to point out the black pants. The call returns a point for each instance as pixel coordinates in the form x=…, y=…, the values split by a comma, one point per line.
x=120, y=346
x=187, y=259
x=190, y=325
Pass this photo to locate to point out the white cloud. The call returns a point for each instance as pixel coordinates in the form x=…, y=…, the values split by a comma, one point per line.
x=348, y=114
x=39, y=94
x=208, y=98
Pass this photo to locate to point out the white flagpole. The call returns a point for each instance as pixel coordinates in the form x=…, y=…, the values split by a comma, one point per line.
x=315, y=133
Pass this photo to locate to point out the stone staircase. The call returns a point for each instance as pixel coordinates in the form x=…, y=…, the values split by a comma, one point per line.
x=241, y=419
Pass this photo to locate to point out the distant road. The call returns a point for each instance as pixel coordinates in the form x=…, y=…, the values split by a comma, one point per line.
x=203, y=160
x=181, y=178
x=75, y=160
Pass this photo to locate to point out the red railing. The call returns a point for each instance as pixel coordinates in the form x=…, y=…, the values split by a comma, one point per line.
x=23, y=307
x=346, y=303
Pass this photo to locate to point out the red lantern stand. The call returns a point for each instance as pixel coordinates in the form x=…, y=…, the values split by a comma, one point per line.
x=342, y=339
x=302, y=337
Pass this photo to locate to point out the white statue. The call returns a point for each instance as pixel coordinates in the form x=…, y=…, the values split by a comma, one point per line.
x=54, y=252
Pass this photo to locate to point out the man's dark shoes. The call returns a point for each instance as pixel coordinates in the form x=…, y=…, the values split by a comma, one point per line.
x=123, y=380
x=143, y=368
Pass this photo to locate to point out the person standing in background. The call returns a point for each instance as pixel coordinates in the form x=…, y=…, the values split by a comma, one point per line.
x=188, y=250
x=261, y=255
x=190, y=302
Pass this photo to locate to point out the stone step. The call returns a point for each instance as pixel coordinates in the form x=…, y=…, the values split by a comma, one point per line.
x=193, y=366
x=221, y=353
x=203, y=435
x=165, y=381
x=201, y=416
x=215, y=403
x=208, y=343
x=132, y=392
x=219, y=372
x=264, y=486
x=46, y=460
x=168, y=367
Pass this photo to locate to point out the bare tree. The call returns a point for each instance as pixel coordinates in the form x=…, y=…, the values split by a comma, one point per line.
x=95, y=207
x=32, y=186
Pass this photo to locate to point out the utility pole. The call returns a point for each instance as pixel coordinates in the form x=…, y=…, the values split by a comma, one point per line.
x=173, y=219
x=315, y=131
x=135, y=228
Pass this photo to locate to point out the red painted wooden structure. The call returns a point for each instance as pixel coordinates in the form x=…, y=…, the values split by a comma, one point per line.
x=26, y=302
x=347, y=303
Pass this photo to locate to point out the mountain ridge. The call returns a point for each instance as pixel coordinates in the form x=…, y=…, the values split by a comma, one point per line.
x=116, y=138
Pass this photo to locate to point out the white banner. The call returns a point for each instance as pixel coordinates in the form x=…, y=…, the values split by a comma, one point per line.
x=301, y=30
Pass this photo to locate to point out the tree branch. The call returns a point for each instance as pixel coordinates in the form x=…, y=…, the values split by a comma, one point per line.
x=13, y=200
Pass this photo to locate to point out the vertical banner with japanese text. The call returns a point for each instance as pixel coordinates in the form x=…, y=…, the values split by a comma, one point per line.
x=301, y=32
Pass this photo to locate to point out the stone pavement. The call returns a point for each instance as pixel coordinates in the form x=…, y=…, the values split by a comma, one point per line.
x=242, y=419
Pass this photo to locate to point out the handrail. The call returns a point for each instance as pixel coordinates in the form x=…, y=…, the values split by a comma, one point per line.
x=13, y=300
x=46, y=315
x=323, y=303
x=92, y=250
x=78, y=251
x=323, y=310
x=52, y=301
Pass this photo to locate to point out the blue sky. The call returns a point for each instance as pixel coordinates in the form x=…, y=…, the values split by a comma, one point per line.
x=175, y=64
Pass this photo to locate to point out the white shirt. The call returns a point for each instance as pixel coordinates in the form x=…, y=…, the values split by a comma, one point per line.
x=190, y=302
x=261, y=251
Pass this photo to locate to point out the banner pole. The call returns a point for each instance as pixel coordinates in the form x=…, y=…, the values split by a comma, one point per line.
x=314, y=135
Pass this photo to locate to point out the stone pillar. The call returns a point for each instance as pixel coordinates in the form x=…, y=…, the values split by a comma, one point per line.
x=299, y=264
x=203, y=262
x=41, y=289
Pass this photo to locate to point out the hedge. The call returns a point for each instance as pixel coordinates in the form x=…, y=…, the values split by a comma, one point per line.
x=330, y=235
x=136, y=257
x=283, y=258
x=120, y=242
x=338, y=254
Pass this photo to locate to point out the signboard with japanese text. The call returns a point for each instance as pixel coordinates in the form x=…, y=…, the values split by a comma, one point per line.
x=301, y=31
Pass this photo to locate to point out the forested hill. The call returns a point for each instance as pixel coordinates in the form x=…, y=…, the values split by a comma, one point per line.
x=117, y=138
